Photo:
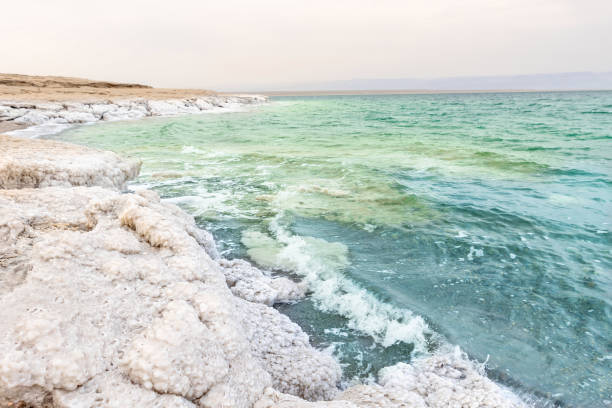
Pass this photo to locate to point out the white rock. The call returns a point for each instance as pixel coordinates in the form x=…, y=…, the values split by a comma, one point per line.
x=49, y=106
x=250, y=283
x=171, y=107
x=120, y=285
x=99, y=109
x=76, y=106
x=446, y=379
x=40, y=114
x=103, y=389
x=124, y=114
x=28, y=163
x=177, y=354
x=34, y=117
x=75, y=116
x=203, y=104
x=9, y=113
x=296, y=367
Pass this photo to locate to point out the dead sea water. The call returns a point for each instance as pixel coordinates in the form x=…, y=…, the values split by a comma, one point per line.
x=481, y=220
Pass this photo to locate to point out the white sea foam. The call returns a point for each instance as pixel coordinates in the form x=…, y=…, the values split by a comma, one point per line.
x=445, y=376
x=474, y=252
x=321, y=264
x=204, y=203
x=192, y=150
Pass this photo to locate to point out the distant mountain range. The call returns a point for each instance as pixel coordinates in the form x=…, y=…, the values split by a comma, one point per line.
x=561, y=81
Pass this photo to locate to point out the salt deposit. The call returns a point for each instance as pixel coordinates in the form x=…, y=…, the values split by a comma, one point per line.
x=98, y=282
x=42, y=114
x=250, y=283
x=29, y=163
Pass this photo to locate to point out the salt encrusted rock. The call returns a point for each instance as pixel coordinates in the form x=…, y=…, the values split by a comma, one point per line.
x=446, y=379
x=49, y=106
x=103, y=389
x=123, y=114
x=34, y=117
x=250, y=283
x=116, y=287
x=170, y=107
x=40, y=113
x=27, y=163
x=296, y=368
x=187, y=222
x=274, y=399
x=177, y=354
x=203, y=104
x=9, y=112
x=78, y=116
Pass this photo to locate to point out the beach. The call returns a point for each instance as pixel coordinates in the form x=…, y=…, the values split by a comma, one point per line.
x=111, y=296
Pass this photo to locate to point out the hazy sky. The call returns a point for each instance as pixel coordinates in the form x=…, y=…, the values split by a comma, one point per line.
x=263, y=43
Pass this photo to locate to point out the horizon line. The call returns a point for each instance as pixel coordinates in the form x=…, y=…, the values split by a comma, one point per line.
x=331, y=92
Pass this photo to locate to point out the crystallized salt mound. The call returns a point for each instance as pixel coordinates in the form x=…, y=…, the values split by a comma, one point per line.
x=274, y=399
x=110, y=299
x=28, y=163
x=447, y=379
x=295, y=366
x=103, y=391
x=250, y=283
x=177, y=354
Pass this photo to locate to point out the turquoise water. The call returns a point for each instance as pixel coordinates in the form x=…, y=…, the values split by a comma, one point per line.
x=481, y=220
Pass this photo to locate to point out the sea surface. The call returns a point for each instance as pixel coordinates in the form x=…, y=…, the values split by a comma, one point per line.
x=478, y=220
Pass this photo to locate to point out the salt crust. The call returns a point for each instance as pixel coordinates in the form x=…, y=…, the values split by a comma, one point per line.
x=119, y=300
x=117, y=284
x=250, y=283
x=39, y=113
x=32, y=163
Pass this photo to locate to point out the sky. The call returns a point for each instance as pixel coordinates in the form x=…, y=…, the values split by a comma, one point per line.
x=267, y=44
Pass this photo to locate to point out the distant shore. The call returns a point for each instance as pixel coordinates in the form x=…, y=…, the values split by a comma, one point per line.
x=413, y=92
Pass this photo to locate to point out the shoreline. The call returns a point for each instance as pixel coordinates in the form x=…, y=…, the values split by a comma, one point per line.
x=36, y=118
x=374, y=92
x=302, y=372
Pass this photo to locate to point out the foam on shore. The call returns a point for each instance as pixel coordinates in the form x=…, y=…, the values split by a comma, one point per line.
x=320, y=264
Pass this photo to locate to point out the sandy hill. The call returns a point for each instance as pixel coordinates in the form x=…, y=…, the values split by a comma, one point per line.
x=53, y=88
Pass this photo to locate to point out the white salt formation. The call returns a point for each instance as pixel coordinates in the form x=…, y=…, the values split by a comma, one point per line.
x=249, y=283
x=119, y=300
x=29, y=163
x=98, y=282
x=448, y=379
x=67, y=113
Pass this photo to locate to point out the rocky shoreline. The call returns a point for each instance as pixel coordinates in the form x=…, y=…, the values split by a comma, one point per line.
x=114, y=298
x=43, y=117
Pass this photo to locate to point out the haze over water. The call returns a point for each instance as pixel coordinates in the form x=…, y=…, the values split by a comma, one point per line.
x=481, y=220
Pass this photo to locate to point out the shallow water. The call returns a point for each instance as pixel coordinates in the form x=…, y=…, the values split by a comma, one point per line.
x=482, y=220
